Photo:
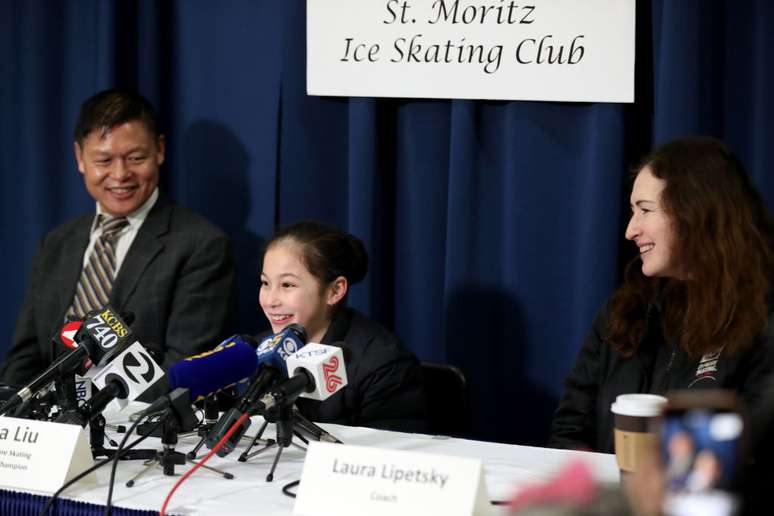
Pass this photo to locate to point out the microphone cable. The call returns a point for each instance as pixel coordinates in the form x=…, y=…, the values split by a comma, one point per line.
x=286, y=488
x=120, y=451
x=199, y=464
x=93, y=468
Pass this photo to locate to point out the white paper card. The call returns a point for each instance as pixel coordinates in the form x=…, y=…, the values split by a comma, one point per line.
x=41, y=455
x=560, y=50
x=345, y=480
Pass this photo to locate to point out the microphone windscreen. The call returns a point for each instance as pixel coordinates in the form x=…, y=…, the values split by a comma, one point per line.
x=67, y=334
x=275, y=349
x=324, y=364
x=230, y=362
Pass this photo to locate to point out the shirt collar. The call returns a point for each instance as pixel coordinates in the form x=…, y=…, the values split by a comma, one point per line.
x=137, y=217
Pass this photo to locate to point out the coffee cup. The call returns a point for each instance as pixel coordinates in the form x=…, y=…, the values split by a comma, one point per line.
x=634, y=430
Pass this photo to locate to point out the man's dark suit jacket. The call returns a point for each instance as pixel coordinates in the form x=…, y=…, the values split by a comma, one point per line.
x=177, y=278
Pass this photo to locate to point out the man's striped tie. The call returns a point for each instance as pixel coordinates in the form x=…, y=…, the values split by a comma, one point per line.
x=97, y=277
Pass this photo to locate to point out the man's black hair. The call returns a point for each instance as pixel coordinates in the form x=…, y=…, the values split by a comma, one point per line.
x=110, y=108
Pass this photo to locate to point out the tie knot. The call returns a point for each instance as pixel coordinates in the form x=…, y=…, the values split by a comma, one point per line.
x=112, y=225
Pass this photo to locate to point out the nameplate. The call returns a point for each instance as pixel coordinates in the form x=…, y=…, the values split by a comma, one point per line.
x=345, y=480
x=41, y=455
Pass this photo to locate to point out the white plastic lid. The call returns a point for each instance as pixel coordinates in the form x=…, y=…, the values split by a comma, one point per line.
x=640, y=405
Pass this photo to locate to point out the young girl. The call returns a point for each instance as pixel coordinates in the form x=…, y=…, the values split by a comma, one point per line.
x=695, y=309
x=307, y=270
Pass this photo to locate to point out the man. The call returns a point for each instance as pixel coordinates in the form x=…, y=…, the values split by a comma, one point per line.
x=140, y=252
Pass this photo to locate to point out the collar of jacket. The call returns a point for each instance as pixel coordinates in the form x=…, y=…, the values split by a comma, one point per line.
x=339, y=326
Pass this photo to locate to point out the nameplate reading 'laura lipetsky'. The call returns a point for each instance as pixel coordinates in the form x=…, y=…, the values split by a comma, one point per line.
x=345, y=480
x=560, y=50
x=41, y=455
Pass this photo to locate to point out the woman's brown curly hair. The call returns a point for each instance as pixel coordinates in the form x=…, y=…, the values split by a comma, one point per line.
x=723, y=242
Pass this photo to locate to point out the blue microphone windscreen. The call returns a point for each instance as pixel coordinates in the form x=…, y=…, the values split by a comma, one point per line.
x=275, y=349
x=233, y=360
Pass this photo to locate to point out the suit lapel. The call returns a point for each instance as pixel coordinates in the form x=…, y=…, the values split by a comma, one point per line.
x=72, y=264
x=145, y=247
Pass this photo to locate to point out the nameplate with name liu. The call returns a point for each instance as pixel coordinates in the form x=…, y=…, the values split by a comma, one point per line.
x=41, y=455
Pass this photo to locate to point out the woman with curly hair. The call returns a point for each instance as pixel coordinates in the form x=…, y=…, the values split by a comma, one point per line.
x=695, y=310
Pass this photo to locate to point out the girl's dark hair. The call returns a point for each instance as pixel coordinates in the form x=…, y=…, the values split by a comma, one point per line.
x=723, y=242
x=326, y=251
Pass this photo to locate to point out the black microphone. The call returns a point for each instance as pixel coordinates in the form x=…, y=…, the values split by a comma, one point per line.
x=318, y=373
x=124, y=379
x=94, y=406
x=272, y=353
x=286, y=392
x=120, y=385
x=63, y=340
x=102, y=336
x=177, y=405
x=307, y=427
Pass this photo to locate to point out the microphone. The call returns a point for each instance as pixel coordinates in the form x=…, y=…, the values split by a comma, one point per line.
x=318, y=373
x=271, y=355
x=201, y=375
x=179, y=408
x=120, y=382
x=102, y=337
x=67, y=387
x=276, y=349
x=305, y=426
x=66, y=336
x=231, y=361
x=169, y=415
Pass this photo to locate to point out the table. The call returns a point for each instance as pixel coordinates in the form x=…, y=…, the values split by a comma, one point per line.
x=506, y=467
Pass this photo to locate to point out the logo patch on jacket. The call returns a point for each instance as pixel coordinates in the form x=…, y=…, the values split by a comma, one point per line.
x=708, y=367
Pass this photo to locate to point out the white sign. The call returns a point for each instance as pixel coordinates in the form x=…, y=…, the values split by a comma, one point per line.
x=41, y=455
x=346, y=480
x=561, y=50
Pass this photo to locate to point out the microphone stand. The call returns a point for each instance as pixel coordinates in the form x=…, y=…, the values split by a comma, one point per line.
x=82, y=416
x=267, y=443
x=284, y=419
x=37, y=408
x=284, y=425
x=210, y=418
x=66, y=395
x=167, y=458
x=97, y=438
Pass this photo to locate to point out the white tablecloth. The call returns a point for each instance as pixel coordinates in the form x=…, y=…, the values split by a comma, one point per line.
x=507, y=467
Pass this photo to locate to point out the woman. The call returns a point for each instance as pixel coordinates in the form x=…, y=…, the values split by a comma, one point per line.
x=308, y=268
x=694, y=311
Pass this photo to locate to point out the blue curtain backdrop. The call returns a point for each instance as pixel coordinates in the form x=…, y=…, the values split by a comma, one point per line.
x=495, y=228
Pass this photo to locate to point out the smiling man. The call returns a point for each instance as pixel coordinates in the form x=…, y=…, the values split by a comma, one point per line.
x=139, y=252
x=120, y=166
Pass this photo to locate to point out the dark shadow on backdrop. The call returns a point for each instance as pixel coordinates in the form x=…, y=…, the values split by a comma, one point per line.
x=215, y=165
x=486, y=339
